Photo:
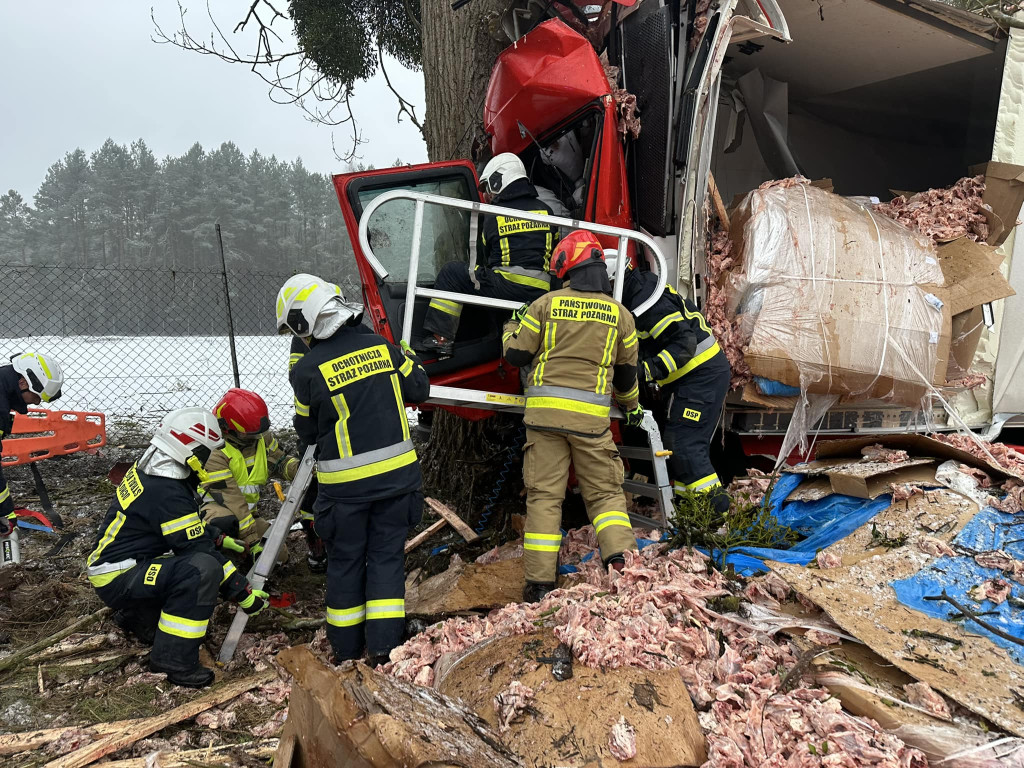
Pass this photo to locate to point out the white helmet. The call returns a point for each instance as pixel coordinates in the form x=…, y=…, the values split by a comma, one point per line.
x=189, y=436
x=305, y=299
x=500, y=171
x=42, y=373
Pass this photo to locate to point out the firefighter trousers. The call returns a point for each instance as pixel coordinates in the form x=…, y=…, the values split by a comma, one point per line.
x=176, y=594
x=443, y=316
x=693, y=408
x=546, y=458
x=366, y=571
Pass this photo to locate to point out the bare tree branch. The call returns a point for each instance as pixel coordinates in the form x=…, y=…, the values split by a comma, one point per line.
x=404, y=106
x=412, y=16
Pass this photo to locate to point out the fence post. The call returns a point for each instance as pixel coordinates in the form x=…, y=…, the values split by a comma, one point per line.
x=227, y=301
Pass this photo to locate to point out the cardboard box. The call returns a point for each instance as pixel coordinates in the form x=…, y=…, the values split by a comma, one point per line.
x=1004, y=194
x=915, y=445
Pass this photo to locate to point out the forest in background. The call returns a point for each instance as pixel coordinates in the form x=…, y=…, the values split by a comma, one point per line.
x=122, y=208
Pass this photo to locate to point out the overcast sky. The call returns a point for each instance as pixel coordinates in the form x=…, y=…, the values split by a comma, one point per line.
x=76, y=73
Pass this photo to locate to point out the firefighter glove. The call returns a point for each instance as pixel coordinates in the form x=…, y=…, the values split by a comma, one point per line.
x=407, y=348
x=635, y=417
x=255, y=549
x=254, y=602
x=520, y=313
x=230, y=544
x=649, y=378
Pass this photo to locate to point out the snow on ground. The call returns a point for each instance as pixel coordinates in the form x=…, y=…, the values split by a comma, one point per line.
x=140, y=378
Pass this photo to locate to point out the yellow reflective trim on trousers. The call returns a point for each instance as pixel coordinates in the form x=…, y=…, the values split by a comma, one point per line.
x=533, y=282
x=542, y=542
x=606, y=519
x=346, y=617
x=448, y=307
x=703, y=357
x=406, y=368
x=245, y=523
x=401, y=405
x=229, y=568
x=301, y=409
x=179, y=626
x=664, y=323
x=708, y=481
x=393, y=608
x=679, y=488
x=104, y=578
x=5, y=494
x=179, y=523
x=606, y=362
x=341, y=428
x=549, y=345
x=667, y=360
x=108, y=536
x=564, y=404
x=629, y=341
x=370, y=470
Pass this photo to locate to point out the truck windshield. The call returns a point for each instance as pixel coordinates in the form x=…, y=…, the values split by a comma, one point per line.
x=445, y=231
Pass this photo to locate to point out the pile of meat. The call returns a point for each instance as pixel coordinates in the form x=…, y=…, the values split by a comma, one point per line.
x=625, y=103
x=879, y=452
x=655, y=615
x=726, y=328
x=1006, y=457
x=943, y=214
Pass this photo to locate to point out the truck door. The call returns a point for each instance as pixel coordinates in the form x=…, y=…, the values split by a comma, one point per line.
x=448, y=235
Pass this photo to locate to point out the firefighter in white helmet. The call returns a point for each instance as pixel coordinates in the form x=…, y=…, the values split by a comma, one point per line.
x=155, y=563
x=518, y=255
x=350, y=393
x=31, y=378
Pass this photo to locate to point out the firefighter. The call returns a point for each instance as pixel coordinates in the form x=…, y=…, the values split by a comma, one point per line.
x=582, y=345
x=30, y=379
x=155, y=562
x=316, y=557
x=682, y=362
x=518, y=255
x=237, y=472
x=350, y=394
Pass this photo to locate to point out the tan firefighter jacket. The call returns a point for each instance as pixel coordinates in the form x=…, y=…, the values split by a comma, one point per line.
x=236, y=474
x=583, y=348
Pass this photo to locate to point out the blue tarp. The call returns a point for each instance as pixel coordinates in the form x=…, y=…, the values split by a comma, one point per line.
x=770, y=387
x=989, y=529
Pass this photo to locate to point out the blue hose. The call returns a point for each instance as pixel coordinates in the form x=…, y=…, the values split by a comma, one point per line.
x=492, y=499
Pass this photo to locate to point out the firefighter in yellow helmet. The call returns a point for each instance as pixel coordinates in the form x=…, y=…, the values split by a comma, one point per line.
x=582, y=346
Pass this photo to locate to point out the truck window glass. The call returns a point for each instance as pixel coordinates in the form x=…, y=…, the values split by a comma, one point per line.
x=445, y=235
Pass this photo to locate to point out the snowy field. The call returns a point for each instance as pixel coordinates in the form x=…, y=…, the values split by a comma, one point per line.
x=137, y=379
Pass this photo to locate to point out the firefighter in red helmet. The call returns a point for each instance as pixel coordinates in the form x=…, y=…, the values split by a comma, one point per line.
x=582, y=346
x=237, y=472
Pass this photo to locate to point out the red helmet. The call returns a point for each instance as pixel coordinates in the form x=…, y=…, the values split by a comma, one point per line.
x=574, y=250
x=243, y=411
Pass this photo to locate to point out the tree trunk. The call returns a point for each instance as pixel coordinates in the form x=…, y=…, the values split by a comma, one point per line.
x=459, y=49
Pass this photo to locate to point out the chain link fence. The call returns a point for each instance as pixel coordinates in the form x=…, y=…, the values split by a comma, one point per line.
x=137, y=343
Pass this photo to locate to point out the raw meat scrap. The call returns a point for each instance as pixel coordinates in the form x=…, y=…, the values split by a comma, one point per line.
x=1008, y=458
x=510, y=702
x=984, y=481
x=827, y=560
x=943, y=214
x=879, y=452
x=933, y=546
x=903, y=491
x=727, y=329
x=820, y=637
x=216, y=718
x=994, y=590
x=1013, y=501
x=922, y=695
x=753, y=487
x=622, y=740
x=1001, y=561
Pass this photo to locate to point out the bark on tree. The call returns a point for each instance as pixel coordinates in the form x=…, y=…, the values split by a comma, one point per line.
x=459, y=49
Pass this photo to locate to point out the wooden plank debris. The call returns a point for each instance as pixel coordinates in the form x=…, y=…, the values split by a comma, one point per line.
x=223, y=755
x=453, y=519
x=425, y=534
x=467, y=587
x=133, y=730
x=15, y=660
x=357, y=717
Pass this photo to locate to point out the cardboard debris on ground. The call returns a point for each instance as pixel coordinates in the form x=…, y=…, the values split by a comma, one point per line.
x=812, y=489
x=977, y=674
x=466, y=587
x=567, y=723
x=355, y=717
x=915, y=445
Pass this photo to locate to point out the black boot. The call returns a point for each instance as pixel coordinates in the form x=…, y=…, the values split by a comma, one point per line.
x=316, y=560
x=534, y=592
x=376, y=659
x=615, y=563
x=197, y=677
x=436, y=346
x=136, y=625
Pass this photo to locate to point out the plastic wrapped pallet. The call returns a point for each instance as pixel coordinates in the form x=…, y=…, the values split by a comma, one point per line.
x=835, y=299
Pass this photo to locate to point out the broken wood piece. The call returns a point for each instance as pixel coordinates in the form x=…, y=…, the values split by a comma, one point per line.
x=70, y=646
x=453, y=519
x=221, y=755
x=132, y=731
x=467, y=587
x=27, y=741
x=716, y=198
x=360, y=717
x=15, y=660
x=425, y=534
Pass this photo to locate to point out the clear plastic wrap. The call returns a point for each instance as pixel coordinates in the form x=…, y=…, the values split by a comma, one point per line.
x=836, y=299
